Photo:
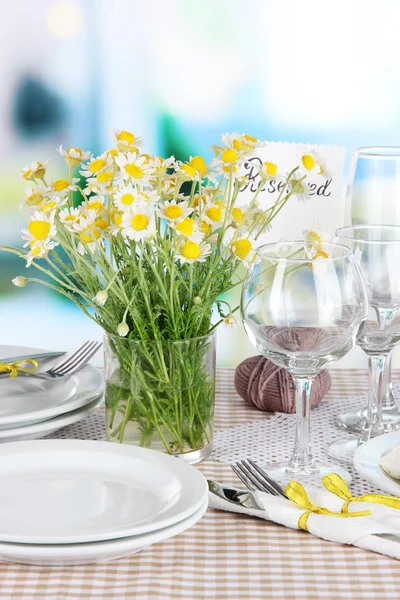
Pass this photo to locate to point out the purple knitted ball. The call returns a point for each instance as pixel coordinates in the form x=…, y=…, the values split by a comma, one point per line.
x=268, y=387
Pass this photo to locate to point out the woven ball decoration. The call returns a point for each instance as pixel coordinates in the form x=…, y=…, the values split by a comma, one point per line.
x=268, y=387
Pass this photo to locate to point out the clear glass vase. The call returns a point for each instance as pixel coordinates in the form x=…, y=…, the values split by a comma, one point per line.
x=160, y=395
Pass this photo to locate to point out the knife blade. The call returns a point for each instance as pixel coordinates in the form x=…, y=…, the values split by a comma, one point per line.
x=232, y=495
x=11, y=359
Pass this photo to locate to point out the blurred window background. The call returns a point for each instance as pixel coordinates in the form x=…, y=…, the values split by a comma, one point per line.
x=180, y=73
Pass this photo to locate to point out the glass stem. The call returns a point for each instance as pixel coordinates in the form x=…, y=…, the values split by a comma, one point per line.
x=302, y=458
x=388, y=402
x=373, y=423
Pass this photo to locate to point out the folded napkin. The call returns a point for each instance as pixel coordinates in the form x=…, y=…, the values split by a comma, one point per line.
x=358, y=528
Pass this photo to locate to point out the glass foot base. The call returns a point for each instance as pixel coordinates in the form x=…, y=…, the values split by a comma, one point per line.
x=353, y=420
x=307, y=477
x=196, y=456
x=343, y=450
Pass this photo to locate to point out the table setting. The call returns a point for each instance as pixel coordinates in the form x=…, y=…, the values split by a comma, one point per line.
x=161, y=475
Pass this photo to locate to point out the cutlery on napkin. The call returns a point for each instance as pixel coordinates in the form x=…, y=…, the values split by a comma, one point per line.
x=362, y=531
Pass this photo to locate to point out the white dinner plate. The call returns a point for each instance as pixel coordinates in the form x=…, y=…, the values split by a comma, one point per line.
x=80, y=491
x=25, y=401
x=98, y=552
x=366, y=462
x=39, y=430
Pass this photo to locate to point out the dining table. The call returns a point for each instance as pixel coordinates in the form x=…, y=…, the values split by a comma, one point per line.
x=225, y=556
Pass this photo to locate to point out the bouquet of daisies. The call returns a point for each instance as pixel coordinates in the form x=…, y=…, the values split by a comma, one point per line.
x=148, y=252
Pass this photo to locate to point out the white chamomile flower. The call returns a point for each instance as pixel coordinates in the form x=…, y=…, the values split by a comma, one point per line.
x=300, y=189
x=138, y=223
x=214, y=214
x=309, y=161
x=101, y=297
x=230, y=321
x=268, y=170
x=149, y=196
x=62, y=186
x=314, y=239
x=168, y=186
x=191, y=252
x=74, y=156
x=20, y=281
x=96, y=165
x=241, y=143
x=228, y=163
x=104, y=178
x=53, y=204
x=188, y=228
x=116, y=221
x=95, y=203
x=242, y=246
x=134, y=167
x=89, y=233
x=173, y=210
x=34, y=197
x=35, y=170
x=39, y=233
x=125, y=140
x=123, y=329
x=161, y=165
x=125, y=197
x=237, y=215
x=257, y=220
x=68, y=216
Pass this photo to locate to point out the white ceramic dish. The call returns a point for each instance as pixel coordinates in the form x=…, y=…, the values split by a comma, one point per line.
x=366, y=462
x=97, y=552
x=82, y=491
x=26, y=401
x=39, y=430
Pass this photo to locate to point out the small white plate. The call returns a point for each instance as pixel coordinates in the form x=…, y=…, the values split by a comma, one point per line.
x=97, y=552
x=26, y=401
x=80, y=491
x=39, y=430
x=366, y=461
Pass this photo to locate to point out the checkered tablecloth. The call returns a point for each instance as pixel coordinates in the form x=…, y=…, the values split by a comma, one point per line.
x=225, y=555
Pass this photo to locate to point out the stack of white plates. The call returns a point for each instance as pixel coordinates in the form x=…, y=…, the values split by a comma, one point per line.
x=32, y=408
x=66, y=502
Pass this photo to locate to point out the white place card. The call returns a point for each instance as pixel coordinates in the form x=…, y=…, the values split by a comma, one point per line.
x=325, y=204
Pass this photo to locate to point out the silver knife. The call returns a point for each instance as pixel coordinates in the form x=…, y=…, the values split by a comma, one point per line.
x=11, y=359
x=232, y=495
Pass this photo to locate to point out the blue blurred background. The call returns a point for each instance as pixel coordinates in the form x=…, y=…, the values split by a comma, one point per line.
x=180, y=73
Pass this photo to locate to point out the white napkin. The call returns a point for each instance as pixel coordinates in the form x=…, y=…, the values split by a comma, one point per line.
x=356, y=531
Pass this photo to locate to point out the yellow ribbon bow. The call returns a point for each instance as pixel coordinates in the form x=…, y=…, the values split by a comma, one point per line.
x=297, y=494
x=15, y=367
x=335, y=484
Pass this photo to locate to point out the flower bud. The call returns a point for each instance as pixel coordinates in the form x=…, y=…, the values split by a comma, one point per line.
x=101, y=297
x=197, y=301
x=123, y=329
x=20, y=281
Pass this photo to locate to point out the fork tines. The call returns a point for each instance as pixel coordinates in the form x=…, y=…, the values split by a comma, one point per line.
x=255, y=478
x=76, y=360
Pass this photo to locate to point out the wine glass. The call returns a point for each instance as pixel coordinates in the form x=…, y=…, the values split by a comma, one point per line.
x=376, y=248
x=302, y=306
x=373, y=198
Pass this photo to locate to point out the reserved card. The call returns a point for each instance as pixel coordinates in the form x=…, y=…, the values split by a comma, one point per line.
x=324, y=205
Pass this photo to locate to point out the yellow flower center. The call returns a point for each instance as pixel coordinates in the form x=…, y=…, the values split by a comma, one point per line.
x=199, y=164
x=70, y=218
x=241, y=248
x=189, y=170
x=313, y=237
x=86, y=238
x=146, y=156
x=214, y=213
x=34, y=199
x=205, y=227
x=139, y=222
x=27, y=174
x=116, y=217
x=126, y=136
x=96, y=205
x=229, y=156
x=308, y=161
x=220, y=204
x=237, y=144
x=60, y=185
x=173, y=211
x=101, y=223
x=321, y=254
x=270, y=168
x=186, y=226
x=113, y=152
x=191, y=250
x=97, y=165
x=229, y=168
x=104, y=177
x=127, y=199
x=39, y=229
x=77, y=150
x=34, y=251
x=48, y=207
x=249, y=138
x=134, y=171
x=237, y=214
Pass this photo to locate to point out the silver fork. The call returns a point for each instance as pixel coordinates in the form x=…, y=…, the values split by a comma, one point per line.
x=68, y=366
x=254, y=478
